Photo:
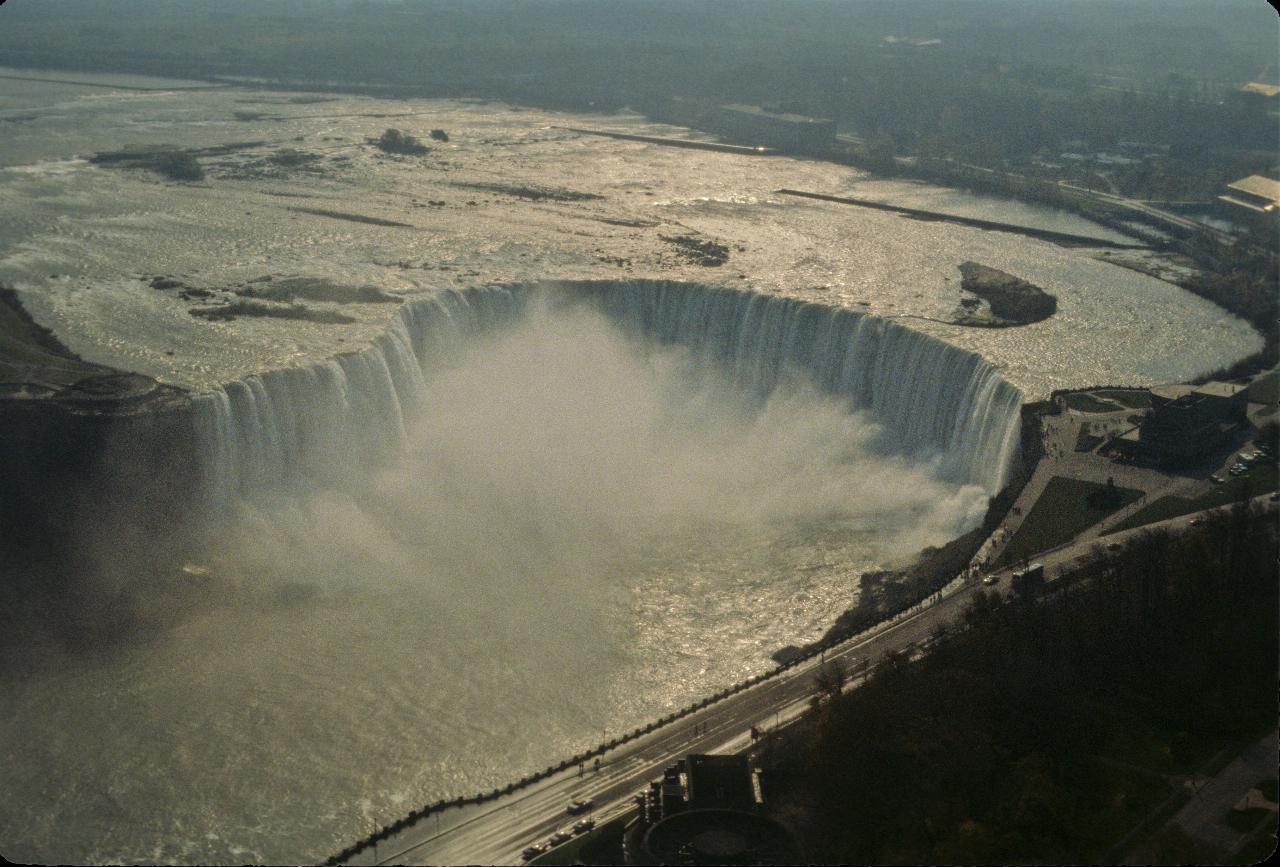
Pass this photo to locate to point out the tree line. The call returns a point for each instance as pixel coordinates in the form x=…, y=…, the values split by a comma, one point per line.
x=1001, y=745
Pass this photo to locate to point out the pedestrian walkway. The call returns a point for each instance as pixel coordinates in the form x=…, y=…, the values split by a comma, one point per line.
x=1060, y=433
x=1204, y=818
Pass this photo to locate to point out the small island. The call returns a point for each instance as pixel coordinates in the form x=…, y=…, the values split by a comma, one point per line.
x=393, y=141
x=174, y=163
x=1009, y=300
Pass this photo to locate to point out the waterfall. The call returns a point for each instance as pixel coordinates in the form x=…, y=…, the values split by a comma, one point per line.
x=290, y=426
x=932, y=399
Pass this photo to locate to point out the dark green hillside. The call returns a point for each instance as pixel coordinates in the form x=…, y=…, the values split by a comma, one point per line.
x=1047, y=731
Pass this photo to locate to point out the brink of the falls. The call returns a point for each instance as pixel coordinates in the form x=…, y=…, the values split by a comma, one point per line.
x=932, y=399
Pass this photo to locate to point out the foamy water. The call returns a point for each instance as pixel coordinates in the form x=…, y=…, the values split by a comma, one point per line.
x=512, y=586
x=100, y=230
x=581, y=533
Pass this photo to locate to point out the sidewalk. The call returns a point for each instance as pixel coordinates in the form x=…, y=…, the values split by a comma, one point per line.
x=1204, y=817
x=1061, y=459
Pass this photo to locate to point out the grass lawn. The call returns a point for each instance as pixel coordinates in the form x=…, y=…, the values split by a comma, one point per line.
x=1064, y=510
x=1088, y=403
x=1085, y=441
x=1130, y=399
x=602, y=845
x=1259, y=480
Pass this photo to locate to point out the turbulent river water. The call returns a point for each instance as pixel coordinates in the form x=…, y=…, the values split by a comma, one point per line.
x=580, y=530
x=443, y=569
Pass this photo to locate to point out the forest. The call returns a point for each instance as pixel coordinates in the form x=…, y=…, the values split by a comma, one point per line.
x=1048, y=727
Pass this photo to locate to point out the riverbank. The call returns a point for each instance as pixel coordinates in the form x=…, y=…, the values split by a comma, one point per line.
x=884, y=594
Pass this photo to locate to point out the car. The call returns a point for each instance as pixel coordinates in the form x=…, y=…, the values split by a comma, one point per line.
x=560, y=837
x=531, y=852
x=1217, y=479
x=583, y=826
x=1196, y=521
x=990, y=579
x=1275, y=496
x=1248, y=457
x=1114, y=546
x=578, y=807
x=639, y=798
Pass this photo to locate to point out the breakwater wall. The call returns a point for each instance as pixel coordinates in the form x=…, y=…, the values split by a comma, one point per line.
x=743, y=150
x=991, y=225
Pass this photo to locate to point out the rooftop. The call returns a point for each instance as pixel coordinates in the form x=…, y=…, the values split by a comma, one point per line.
x=720, y=781
x=1258, y=185
x=1260, y=88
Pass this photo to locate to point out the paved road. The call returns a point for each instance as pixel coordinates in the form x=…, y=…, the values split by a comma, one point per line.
x=495, y=833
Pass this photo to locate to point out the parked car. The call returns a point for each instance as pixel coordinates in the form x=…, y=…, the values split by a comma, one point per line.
x=990, y=579
x=583, y=826
x=1216, y=479
x=577, y=807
